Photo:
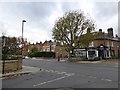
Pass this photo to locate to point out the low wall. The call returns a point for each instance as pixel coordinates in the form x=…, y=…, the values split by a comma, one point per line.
x=11, y=65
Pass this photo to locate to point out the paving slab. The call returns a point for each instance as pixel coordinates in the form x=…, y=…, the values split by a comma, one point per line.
x=23, y=71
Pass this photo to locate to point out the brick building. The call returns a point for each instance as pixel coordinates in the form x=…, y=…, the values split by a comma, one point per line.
x=50, y=46
x=108, y=40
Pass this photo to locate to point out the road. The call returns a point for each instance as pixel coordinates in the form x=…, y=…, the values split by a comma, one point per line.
x=65, y=75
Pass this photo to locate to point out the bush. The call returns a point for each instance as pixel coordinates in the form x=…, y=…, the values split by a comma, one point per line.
x=4, y=56
x=41, y=54
x=9, y=57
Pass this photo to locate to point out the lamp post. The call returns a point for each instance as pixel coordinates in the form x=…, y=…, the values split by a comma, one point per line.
x=3, y=68
x=22, y=35
x=118, y=51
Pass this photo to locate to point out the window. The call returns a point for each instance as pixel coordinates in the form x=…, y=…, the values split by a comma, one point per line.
x=108, y=44
x=91, y=44
x=91, y=53
x=112, y=44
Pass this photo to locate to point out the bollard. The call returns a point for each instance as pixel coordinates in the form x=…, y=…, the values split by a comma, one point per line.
x=58, y=58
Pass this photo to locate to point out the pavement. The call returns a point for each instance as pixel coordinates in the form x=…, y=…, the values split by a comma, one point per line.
x=108, y=61
x=25, y=70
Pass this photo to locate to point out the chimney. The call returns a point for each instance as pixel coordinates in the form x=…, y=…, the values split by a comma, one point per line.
x=110, y=32
x=88, y=30
x=100, y=30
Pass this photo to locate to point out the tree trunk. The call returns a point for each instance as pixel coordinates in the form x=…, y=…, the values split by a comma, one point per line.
x=69, y=55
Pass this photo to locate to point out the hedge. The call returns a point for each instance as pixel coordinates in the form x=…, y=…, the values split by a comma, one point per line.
x=10, y=57
x=41, y=54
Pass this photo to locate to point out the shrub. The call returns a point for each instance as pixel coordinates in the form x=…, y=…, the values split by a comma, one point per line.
x=9, y=57
x=41, y=54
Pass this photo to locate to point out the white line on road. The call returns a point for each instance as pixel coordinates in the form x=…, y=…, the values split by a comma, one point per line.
x=106, y=80
x=47, y=70
x=52, y=80
x=51, y=71
x=70, y=74
x=56, y=71
x=61, y=73
x=92, y=77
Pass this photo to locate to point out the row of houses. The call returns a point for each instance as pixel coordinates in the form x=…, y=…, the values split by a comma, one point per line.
x=107, y=40
x=47, y=46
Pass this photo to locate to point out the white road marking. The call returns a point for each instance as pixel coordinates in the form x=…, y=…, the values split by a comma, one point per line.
x=56, y=71
x=70, y=74
x=51, y=71
x=47, y=70
x=92, y=77
x=61, y=73
x=106, y=80
x=52, y=80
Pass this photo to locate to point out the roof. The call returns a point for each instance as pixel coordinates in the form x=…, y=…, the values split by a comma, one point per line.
x=102, y=35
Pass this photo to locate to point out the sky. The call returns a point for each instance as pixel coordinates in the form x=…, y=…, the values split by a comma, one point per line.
x=41, y=16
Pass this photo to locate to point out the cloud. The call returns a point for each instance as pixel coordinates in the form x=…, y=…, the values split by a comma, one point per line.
x=41, y=16
x=105, y=10
x=36, y=34
x=106, y=15
x=3, y=28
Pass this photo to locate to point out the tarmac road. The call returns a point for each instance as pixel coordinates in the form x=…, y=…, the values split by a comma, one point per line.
x=65, y=75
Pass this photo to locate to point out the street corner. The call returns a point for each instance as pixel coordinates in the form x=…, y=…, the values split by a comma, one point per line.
x=26, y=70
x=31, y=69
x=13, y=74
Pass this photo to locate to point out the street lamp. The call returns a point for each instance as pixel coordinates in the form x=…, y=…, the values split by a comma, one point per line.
x=23, y=26
x=3, y=68
x=22, y=35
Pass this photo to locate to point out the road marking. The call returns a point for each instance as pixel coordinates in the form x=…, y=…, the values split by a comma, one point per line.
x=53, y=80
x=47, y=70
x=70, y=74
x=56, y=71
x=51, y=71
x=61, y=73
x=92, y=77
x=106, y=80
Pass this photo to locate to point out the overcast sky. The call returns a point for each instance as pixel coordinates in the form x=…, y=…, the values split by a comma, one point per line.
x=41, y=16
